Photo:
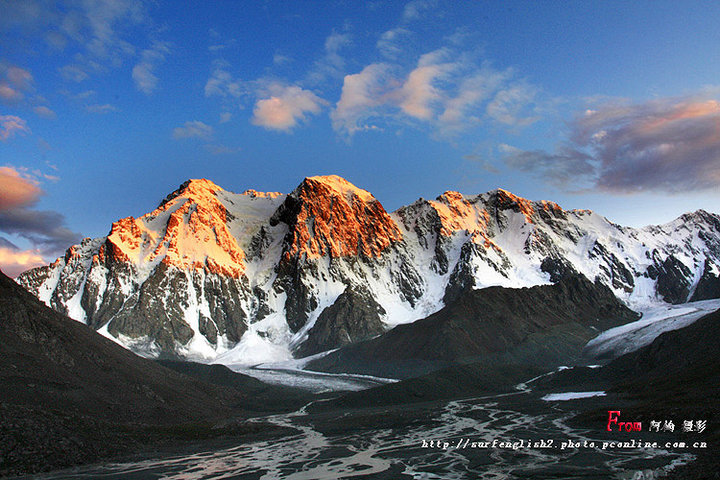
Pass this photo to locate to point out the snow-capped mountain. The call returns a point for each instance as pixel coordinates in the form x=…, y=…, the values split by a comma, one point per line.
x=253, y=277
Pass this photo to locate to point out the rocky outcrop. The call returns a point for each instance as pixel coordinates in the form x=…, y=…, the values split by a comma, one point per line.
x=673, y=284
x=355, y=316
x=709, y=284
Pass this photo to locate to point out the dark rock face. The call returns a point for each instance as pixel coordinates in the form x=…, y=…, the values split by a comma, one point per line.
x=355, y=316
x=557, y=268
x=462, y=278
x=223, y=296
x=673, y=280
x=709, y=284
x=538, y=326
x=156, y=311
x=620, y=276
x=300, y=299
x=146, y=315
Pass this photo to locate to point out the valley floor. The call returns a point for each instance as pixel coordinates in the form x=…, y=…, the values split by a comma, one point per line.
x=509, y=436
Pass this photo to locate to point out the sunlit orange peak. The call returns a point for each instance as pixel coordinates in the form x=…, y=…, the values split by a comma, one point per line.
x=342, y=186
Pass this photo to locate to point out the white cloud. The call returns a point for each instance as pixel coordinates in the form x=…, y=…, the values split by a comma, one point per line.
x=221, y=149
x=193, y=129
x=73, y=73
x=19, y=77
x=99, y=25
x=459, y=110
x=335, y=41
x=221, y=83
x=11, y=125
x=285, y=107
x=446, y=90
x=392, y=42
x=143, y=73
x=9, y=94
x=332, y=64
x=225, y=117
x=279, y=59
x=418, y=93
x=101, y=33
x=415, y=9
x=510, y=105
x=362, y=93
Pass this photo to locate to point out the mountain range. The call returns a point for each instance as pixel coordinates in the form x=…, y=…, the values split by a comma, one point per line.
x=254, y=277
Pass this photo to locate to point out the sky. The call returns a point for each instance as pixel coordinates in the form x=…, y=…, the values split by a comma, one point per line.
x=106, y=106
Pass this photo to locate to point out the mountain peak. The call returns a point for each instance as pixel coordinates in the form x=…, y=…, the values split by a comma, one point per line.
x=194, y=187
x=188, y=230
x=328, y=215
x=336, y=184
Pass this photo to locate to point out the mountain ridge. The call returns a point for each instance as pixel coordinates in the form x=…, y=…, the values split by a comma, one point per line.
x=243, y=278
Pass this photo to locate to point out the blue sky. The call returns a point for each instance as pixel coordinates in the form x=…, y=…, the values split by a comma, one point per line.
x=106, y=106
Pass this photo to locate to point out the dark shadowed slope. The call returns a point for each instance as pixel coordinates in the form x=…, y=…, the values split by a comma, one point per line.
x=676, y=377
x=69, y=395
x=541, y=326
x=680, y=367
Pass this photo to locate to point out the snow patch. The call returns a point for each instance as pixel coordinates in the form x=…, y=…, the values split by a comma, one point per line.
x=655, y=321
x=561, y=397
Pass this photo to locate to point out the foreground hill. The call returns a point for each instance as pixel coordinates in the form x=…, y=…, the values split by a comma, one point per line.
x=69, y=395
x=676, y=377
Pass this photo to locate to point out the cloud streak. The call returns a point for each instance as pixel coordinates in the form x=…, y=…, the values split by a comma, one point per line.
x=193, y=129
x=10, y=125
x=669, y=145
x=143, y=73
x=101, y=109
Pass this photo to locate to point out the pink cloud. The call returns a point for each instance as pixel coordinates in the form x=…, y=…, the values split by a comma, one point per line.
x=668, y=145
x=44, y=111
x=17, y=190
x=15, y=81
x=14, y=262
x=11, y=125
x=286, y=107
